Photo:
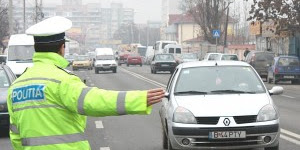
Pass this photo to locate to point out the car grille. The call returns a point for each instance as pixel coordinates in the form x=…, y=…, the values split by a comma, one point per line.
x=245, y=119
x=106, y=65
x=207, y=120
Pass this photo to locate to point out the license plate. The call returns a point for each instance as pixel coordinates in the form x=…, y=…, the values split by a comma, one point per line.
x=165, y=65
x=227, y=135
x=288, y=77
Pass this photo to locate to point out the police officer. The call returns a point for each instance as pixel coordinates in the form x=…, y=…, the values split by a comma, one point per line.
x=48, y=105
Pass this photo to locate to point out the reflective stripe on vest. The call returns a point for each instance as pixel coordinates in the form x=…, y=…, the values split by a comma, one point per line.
x=45, y=79
x=57, y=139
x=39, y=106
x=81, y=100
x=13, y=128
x=121, y=103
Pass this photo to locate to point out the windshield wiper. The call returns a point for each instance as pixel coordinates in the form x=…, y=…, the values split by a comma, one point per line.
x=232, y=91
x=190, y=92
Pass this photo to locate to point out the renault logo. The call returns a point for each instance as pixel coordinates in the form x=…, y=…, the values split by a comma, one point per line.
x=226, y=122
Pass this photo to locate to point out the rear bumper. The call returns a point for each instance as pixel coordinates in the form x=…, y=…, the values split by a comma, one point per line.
x=287, y=76
x=172, y=68
x=199, y=137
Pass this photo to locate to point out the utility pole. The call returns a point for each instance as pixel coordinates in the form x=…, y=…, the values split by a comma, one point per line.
x=10, y=17
x=24, y=15
x=226, y=28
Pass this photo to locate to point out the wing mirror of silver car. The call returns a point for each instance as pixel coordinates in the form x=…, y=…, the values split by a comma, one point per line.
x=167, y=95
x=276, y=90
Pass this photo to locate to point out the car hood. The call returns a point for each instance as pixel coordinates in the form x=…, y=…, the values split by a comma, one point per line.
x=3, y=95
x=19, y=67
x=105, y=62
x=224, y=105
x=165, y=61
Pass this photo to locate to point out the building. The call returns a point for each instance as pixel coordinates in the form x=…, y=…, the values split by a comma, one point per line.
x=92, y=22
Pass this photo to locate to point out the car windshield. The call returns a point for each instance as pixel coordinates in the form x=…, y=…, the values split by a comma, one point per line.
x=105, y=57
x=216, y=80
x=82, y=58
x=20, y=52
x=189, y=56
x=229, y=57
x=2, y=59
x=164, y=58
x=4, y=82
x=288, y=61
x=213, y=56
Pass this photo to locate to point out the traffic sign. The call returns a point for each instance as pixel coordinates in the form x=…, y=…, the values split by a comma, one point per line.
x=216, y=33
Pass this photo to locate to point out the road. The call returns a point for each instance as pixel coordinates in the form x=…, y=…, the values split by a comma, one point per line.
x=144, y=132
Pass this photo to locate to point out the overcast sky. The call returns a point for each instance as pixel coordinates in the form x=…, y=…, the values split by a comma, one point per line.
x=145, y=9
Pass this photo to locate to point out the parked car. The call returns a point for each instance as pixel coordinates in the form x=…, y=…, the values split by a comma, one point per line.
x=284, y=68
x=188, y=57
x=163, y=62
x=211, y=56
x=134, y=59
x=219, y=105
x=3, y=59
x=260, y=60
x=228, y=57
x=82, y=62
x=122, y=59
x=7, y=77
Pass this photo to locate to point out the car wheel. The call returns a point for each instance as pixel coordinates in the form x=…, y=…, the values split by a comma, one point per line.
x=272, y=148
x=295, y=81
x=169, y=145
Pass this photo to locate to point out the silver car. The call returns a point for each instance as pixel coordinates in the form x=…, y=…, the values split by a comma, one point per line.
x=219, y=105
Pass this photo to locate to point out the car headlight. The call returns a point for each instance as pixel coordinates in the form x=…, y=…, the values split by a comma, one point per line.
x=267, y=113
x=182, y=115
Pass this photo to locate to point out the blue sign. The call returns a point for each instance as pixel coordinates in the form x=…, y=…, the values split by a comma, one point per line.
x=216, y=33
x=28, y=93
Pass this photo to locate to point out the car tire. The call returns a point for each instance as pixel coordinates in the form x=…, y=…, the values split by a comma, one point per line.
x=115, y=70
x=154, y=71
x=274, y=80
x=272, y=148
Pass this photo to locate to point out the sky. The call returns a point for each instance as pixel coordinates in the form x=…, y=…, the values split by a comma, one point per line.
x=145, y=9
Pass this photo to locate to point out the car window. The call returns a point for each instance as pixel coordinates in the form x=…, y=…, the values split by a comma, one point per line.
x=4, y=81
x=213, y=56
x=207, y=79
x=288, y=62
x=164, y=58
x=20, y=52
x=171, y=50
x=178, y=50
x=170, y=82
x=229, y=57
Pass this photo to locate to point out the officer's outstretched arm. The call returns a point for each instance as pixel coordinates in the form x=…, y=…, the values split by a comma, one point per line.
x=79, y=98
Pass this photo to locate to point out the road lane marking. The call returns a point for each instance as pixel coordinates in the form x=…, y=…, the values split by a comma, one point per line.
x=288, y=96
x=104, y=148
x=290, y=133
x=290, y=139
x=99, y=124
x=293, y=135
x=144, y=78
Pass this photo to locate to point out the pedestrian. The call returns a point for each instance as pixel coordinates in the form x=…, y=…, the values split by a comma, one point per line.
x=48, y=105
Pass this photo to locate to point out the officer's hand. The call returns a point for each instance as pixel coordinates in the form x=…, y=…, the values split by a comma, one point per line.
x=155, y=96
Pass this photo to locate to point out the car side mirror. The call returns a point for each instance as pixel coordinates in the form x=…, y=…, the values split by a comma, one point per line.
x=167, y=95
x=276, y=90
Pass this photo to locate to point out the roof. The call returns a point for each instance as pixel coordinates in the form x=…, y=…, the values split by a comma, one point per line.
x=213, y=63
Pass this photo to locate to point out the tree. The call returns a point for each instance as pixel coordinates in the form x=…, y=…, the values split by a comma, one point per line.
x=4, y=22
x=208, y=14
x=284, y=13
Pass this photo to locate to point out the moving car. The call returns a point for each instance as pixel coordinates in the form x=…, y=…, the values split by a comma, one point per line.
x=219, y=105
x=228, y=57
x=7, y=77
x=20, y=53
x=284, y=68
x=212, y=56
x=163, y=62
x=122, y=59
x=105, y=60
x=82, y=62
x=134, y=59
x=260, y=61
x=188, y=57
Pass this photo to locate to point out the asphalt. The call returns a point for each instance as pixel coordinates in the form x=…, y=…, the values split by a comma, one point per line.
x=143, y=132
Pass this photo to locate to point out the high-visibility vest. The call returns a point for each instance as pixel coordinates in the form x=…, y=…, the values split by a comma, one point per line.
x=48, y=106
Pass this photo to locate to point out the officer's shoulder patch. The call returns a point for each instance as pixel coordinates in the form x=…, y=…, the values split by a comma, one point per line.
x=67, y=71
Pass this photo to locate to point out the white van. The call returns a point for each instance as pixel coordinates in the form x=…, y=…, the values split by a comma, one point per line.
x=160, y=46
x=105, y=60
x=20, y=52
x=173, y=49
